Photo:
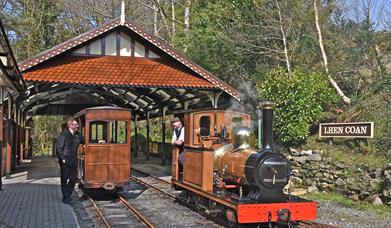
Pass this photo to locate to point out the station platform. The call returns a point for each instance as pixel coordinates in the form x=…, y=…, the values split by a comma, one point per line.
x=32, y=196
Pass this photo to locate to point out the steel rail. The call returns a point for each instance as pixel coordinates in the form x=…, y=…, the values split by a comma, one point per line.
x=308, y=223
x=101, y=217
x=142, y=218
x=151, y=186
x=149, y=175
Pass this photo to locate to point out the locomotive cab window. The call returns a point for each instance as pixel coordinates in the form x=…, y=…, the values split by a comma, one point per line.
x=119, y=132
x=98, y=132
x=204, y=126
x=236, y=122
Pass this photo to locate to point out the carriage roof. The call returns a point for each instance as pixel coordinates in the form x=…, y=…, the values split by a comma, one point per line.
x=100, y=108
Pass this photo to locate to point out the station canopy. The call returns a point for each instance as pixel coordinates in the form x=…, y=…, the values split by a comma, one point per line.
x=118, y=64
x=10, y=75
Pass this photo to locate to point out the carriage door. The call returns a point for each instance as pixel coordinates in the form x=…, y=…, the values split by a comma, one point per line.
x=119, y=155
x=97, y=160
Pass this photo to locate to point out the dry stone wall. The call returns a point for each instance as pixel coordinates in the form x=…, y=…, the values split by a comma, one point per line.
x=317, y=172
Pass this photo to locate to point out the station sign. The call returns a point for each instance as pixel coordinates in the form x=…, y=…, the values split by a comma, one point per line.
x=346, y=130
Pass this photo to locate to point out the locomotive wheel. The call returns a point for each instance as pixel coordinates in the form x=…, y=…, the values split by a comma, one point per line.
x=80, y=185
x=198, y=202
x=231, y=217
x=212, y=205
x=189, y=198
x=232, y=224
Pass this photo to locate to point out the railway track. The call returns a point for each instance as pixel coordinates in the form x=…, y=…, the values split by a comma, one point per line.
x=312, y=224
x=155, y=183
x=164, y=187
x=118, y=212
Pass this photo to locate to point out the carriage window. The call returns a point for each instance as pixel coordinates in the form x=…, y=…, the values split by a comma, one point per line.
x=236, y=122
x=118, y=132
x=82, y=126
x=204, y=126
x=98, y=132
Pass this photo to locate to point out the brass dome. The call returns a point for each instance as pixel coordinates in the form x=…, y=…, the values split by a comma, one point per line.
x=243, y=138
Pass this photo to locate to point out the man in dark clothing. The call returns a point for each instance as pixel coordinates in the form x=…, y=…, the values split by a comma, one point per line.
x=178, y=139
x=67, y=143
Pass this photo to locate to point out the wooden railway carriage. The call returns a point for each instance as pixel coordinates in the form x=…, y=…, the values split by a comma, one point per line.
x=223, y=174
x=104, y=159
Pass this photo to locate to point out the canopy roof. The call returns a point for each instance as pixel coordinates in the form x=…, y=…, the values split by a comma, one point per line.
x=10, y=75
x=118, y=64
x=117, y=70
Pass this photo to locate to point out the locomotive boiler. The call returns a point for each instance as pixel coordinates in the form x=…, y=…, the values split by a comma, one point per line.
x=224, y=174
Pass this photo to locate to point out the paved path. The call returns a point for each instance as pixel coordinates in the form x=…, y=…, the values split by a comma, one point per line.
x=32, y=197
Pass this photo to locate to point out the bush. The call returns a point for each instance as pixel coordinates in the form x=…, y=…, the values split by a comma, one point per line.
x=300, y=101
x=377, y=109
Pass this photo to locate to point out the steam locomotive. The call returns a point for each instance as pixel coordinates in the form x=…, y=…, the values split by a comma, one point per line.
x=224, y=175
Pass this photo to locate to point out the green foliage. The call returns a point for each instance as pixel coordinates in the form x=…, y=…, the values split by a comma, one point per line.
x=375, y=108
x=378, y=110
x=33, y=26
x=300, y=101
x=208, y=44
x=45, y=130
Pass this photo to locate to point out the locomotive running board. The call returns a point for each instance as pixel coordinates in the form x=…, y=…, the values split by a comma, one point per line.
x=205, y=194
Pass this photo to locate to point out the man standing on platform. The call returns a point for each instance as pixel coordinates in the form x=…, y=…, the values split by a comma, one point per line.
x=178, y=139
x=67, y=143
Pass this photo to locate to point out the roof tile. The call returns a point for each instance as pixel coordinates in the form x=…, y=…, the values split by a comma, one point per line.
x=116, y=70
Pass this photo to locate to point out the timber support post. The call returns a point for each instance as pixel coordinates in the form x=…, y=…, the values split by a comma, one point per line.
x=163, y=135
x=135, y=137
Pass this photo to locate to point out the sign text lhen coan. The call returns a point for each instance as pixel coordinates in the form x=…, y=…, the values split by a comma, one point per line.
x=347, y=130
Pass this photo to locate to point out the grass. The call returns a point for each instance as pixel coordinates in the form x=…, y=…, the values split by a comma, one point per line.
x=380, y=210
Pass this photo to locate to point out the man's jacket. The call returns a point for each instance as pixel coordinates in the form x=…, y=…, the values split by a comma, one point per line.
x=66, y=147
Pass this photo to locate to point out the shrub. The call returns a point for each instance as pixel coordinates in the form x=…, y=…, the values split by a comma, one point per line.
x=300, y=101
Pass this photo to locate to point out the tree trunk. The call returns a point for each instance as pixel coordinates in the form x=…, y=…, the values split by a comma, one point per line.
x=173, y=17
x=155, y=21
x=187, y=14
x=288, y=65
x=324, y=56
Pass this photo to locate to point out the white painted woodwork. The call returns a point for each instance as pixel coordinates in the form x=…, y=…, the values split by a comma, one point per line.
x=81, y=50
x=111, y=47
x=110, y=44
x=95, y=47
x=153, y=55
x=126, y=44
x=4, y=60
x=139, y=50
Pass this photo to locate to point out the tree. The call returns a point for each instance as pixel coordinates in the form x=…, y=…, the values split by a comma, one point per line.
x=32, y=26
x=300, y=100
x=324, y=56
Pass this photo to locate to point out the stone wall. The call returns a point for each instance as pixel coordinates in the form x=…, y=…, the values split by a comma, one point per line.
x=314, y=171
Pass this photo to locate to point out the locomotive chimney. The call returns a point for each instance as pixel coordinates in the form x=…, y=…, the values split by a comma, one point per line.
x=267, y=124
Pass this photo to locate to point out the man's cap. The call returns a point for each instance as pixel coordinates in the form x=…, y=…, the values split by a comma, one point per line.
x=175, y=119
